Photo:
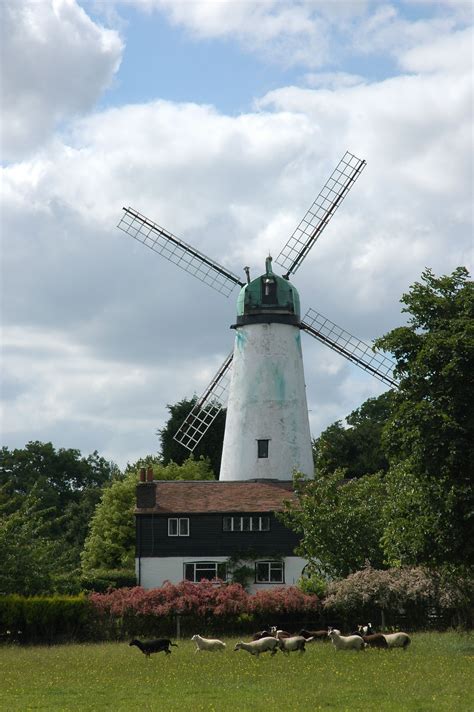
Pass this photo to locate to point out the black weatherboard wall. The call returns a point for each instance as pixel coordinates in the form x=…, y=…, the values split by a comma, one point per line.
x=207, y=538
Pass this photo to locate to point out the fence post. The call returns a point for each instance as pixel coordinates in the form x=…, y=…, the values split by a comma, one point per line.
x=382, y=622
x=178, y=626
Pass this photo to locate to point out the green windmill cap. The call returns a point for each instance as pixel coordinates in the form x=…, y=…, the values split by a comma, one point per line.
x=269, y=294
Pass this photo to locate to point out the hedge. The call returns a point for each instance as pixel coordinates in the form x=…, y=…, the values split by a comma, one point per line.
x=46, y=619
x=410, y=598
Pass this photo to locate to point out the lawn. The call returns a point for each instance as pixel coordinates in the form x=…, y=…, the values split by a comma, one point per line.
x=434, y=674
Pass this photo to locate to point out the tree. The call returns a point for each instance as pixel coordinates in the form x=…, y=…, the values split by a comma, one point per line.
x=429, y=437
x=110, y=543
x=358, y=448
x=210, y=445
x=339, y=521
x=28, y=556
x=64, y=482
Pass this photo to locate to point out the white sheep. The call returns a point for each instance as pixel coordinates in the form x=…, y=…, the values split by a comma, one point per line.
x=397, y=640
x=346, y=642
x=295, y=642
x=211, y=644
x=259, y=646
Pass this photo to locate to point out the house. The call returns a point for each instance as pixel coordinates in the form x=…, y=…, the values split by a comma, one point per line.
x=190, y=530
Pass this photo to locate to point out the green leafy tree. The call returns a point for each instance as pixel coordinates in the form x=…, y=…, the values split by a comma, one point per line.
x=429, y=437
x=110, y=543
x=357, y=448
x=210, y=445
x=111, y=539
x=339, y=522
x=28, y=556
x=64, y=482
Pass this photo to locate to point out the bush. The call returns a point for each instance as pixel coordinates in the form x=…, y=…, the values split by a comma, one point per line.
x=46, y=618
x=101, y=580
x=415, y=596
x=209, y=604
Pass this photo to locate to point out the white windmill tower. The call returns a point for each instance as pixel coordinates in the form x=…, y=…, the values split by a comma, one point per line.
x=267, y=433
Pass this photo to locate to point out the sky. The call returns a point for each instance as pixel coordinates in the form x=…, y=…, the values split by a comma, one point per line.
x=220, y=121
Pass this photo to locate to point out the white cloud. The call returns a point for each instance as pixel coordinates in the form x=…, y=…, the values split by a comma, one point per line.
x=56, y=62
x=313, y=33
x=288, y=33
x=444, y=53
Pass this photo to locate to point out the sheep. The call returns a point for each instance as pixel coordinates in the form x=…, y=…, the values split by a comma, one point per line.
x=153, y=646
x=346, y=642
x=259, y=646
x=277, y=633
x=262, y=634
x=376, y=640
x=314, y=635
x=365, y=629
x=397, y=640
x=211, y=644
x=296, y=642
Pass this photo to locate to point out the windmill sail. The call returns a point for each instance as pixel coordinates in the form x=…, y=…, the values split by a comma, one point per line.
x=352, y=348
x=321, y=211
x=179, y=252
x=206, y=410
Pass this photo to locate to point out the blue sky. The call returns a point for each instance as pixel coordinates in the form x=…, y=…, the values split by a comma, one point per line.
x=220, y=121
x=168, y=61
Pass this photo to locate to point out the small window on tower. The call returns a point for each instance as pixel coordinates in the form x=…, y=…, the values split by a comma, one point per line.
x=269, y=291
x=262, y=448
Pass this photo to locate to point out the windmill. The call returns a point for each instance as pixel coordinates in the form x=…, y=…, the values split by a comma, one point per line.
x=267, y=432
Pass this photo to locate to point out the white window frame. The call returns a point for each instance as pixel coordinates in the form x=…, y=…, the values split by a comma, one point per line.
x=270, y=564
x=179, y=526
x=204, y=564
x=257, y=523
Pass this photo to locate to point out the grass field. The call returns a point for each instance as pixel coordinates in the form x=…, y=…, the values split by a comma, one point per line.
x=435, y=674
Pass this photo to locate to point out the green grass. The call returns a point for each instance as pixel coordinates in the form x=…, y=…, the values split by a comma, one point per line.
x=434, y=674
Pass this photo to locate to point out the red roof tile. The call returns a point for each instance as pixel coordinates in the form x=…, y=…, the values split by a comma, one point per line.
x=210, y=496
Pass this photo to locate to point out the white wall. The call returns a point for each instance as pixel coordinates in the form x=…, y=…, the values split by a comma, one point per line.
x=267, y=401
x=155, y=571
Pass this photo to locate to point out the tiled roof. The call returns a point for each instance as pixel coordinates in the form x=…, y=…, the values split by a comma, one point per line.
x=210, y=496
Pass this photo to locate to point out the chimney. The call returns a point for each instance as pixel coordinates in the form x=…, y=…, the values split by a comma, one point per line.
x=146, y=489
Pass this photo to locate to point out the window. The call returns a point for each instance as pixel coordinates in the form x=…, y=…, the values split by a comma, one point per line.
x=262, y=446
x=246, y=524
x=269, y=572
x=269, y=290
x=209, y=570
x=178, y=526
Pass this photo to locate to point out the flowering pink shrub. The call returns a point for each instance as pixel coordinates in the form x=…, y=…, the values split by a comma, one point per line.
x=282, y=600
x=204, y=598
x=207, y=598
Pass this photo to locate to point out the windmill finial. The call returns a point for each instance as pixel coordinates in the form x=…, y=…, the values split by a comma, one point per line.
x=247, y=272
x=268, y=265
